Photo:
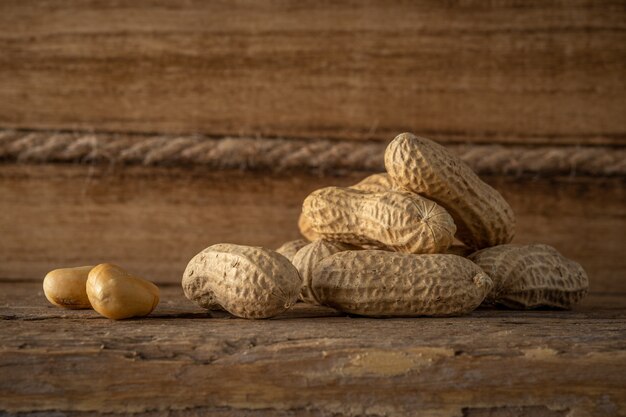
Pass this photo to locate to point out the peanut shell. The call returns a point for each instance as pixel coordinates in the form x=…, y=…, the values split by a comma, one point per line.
x=391, y=220
x=380, y=283
x=308, y=257
x=532, y=276
x=482, y=216
x=249, y=282
x=289, y=249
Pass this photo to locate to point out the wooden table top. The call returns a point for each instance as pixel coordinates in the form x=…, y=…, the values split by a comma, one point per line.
x=310, y=361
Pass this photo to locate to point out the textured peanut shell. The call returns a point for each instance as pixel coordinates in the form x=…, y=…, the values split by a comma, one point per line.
x=375, y=183
x=65, y=287
x=116, y=294
x=532, y=276
x=392, y=220
x=289, y=249
x=380, y=283
x=249, y=282
x=482, y=216
x=308, y=257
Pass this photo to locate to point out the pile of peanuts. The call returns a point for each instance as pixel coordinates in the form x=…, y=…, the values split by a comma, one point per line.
x=426, y=238
x=386, y=247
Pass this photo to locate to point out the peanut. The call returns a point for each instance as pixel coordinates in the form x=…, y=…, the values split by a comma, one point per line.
x=246, y=281
x=65, y=287
x=308, y=257
x=392, y=220
x=379, y=283
x=532, y=276
x=376, y=183
x=482, y=216
x=289, y=249
x=116, y=294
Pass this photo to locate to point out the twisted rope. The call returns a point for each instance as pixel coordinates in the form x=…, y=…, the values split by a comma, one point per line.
x=294, y=154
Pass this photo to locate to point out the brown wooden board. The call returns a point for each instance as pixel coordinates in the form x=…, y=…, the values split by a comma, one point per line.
x=153, y=220
x=310, y=361
x=506, y=71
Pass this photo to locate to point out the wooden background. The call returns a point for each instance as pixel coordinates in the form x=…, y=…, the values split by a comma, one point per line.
x=542, y=74
x=153, y=220
x=468, y=71
x=530, y=75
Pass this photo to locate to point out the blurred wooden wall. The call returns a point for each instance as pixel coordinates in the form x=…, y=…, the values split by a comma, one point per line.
x=195, y=83
x=459, y=71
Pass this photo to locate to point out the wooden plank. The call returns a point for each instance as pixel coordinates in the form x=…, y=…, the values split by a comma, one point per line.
x=311, y=361
x=511, y=72
x=152, y=220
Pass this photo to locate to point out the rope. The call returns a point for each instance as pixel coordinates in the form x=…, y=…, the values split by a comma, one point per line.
x=294, y=154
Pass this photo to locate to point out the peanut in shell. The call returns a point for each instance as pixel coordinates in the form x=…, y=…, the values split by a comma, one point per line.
x=307, y=258
x=392, y=220
x=381, y=284
x=482, y=216
x=289, y=249
x=247, y=281
x=532, y=276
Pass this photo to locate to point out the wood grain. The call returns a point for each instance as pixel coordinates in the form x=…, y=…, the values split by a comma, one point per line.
x=152, y=220
x=311, y=361
x=506, y=71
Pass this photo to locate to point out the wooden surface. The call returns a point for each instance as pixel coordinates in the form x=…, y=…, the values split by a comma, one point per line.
x=153, y=220
x=507, y=71
x=311, y=361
